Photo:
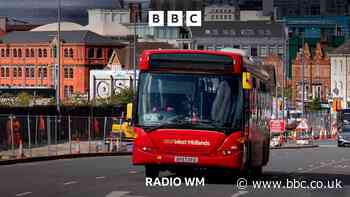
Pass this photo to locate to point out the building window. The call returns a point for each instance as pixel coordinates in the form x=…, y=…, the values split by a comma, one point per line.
x=68, y=91
x=66, y=52
x=7, y=72
x=42, y=72
x=200, y=47
x=2, y=52
x=99, y=53
x=280, y=50
x=254, y=51
x=14, y=72
x=14, y=52
x=45, y=52
x=91, y=52
x=40, y=53
x=71, y=54
x=246, y=49
x=30, y=71
x=210, y=47
x=273, y=50
x=19, y=52
x=32, y=53
x=2, y=72
x=263, y=51
x=7, y=52
x=19, y=72
x=68, y=73
x=219, y=47
x=27, y=52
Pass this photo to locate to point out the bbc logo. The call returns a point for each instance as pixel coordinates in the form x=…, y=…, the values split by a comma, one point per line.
x=175, y=18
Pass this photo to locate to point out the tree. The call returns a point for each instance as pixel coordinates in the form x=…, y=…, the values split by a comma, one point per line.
x=24, y=99
x=315, y=105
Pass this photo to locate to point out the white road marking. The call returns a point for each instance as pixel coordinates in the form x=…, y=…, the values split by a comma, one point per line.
x=240, y=193
x=70, y=183
x=100, y=177
x=117, y=194
x=132, y=171
x=24, y=194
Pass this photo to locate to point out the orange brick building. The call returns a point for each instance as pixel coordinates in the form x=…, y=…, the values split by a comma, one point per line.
x=28, y=59
x=277, y=62
x=316, y=75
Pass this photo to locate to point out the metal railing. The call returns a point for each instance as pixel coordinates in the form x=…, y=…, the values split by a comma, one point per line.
x=35, y=136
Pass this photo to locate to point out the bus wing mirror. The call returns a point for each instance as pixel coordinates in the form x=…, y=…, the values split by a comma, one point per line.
x=129, y=111
x=246, y=81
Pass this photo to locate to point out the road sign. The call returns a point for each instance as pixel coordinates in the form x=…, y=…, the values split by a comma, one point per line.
x=277, y=126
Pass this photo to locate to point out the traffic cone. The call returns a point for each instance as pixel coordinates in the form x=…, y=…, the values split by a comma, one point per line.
x=321, y=134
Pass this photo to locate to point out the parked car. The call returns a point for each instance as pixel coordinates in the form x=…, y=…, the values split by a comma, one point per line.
x=275, y=141
x=343, y=136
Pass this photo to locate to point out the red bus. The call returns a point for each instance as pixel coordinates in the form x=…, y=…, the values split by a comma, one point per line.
x=201, y=109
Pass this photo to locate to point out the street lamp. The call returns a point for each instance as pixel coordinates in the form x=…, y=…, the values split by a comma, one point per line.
x=302, y=77
x=58, y=57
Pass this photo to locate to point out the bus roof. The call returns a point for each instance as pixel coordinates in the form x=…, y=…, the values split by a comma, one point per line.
x=241, y=60
x=235, y=58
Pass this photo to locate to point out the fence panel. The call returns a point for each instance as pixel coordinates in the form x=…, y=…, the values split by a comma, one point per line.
x=39, y=135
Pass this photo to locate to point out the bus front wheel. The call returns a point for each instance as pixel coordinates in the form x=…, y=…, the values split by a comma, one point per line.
x=151, y=172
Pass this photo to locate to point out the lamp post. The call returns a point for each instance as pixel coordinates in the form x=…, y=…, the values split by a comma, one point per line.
x=134, y=58
x=302, y=78
x=58, y=65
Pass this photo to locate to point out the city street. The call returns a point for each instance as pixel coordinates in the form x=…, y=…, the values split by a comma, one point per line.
x=117, y=177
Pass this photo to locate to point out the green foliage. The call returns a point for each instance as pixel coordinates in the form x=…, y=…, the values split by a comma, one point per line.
x=24, y=99
x=124, y=96
x=315, y=105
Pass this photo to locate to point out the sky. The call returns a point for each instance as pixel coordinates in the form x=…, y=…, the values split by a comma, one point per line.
x=45, y=11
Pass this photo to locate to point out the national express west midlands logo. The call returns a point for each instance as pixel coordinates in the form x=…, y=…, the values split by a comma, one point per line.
x=175, y=18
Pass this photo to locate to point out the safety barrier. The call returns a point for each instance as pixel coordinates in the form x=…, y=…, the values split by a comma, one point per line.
x=39, y=136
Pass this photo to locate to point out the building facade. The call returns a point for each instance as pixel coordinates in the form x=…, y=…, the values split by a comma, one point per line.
x=28, y=59
x=340, y=72
x=330, y=31
x=258, y=38
x=311, y=8
x=221, y=13
x=317, y=79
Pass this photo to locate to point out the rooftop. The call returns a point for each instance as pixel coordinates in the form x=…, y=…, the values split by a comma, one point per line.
x=65, y=26
x=238, y=29
x=82, y=36
x=342, y=49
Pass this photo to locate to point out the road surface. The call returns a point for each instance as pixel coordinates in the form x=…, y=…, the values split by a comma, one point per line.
x=117, y=177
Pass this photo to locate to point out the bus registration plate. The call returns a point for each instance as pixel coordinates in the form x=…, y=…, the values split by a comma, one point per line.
x=182, y=159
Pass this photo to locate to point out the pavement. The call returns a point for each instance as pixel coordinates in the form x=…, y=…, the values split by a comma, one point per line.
x=117, y=177
x=82, y=147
